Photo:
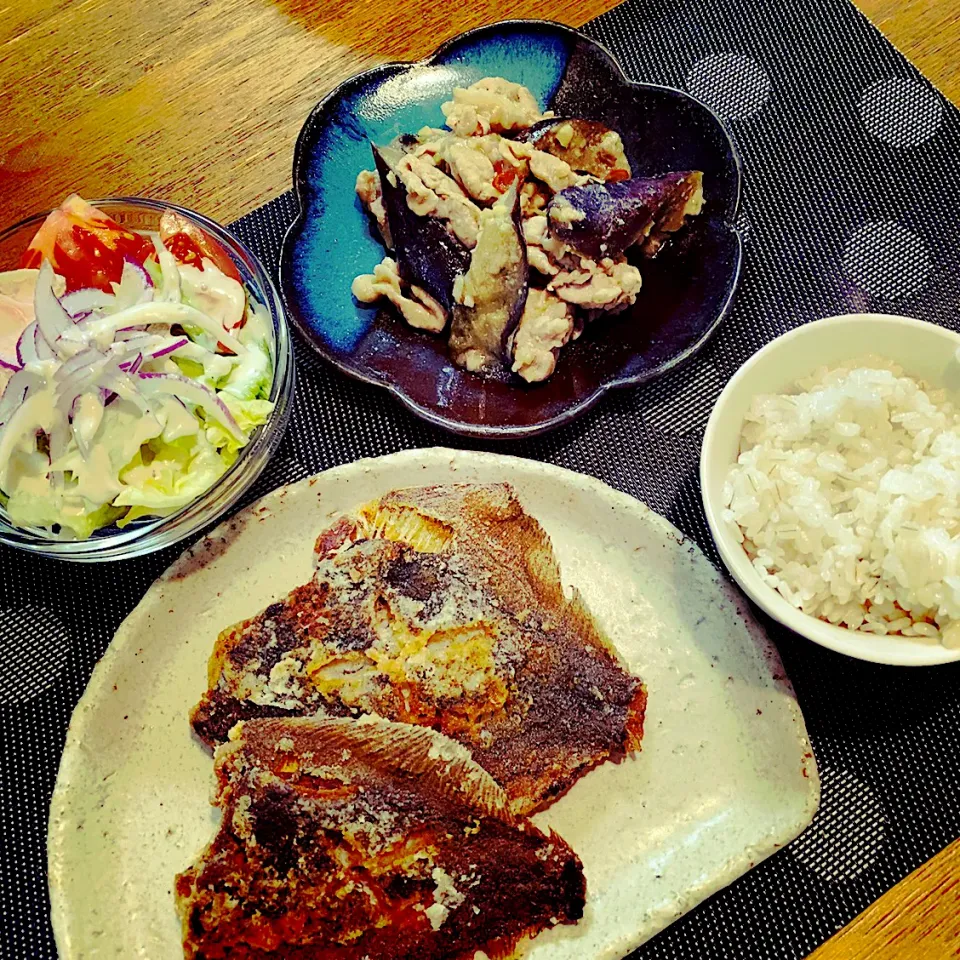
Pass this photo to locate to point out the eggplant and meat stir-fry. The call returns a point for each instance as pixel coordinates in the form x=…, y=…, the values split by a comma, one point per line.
x=510, y=229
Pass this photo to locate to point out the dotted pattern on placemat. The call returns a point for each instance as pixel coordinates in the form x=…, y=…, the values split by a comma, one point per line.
x=732, y=85
x=901, y=111
x=848, y=834
x=845, y=149
x=33, y=650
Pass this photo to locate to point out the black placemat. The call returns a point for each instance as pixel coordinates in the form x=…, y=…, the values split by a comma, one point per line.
x=851, y=166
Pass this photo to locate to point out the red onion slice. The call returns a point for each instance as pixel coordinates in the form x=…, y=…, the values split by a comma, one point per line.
x=196, y=393
x=43, y=349
x=59, y=440
x=52, y=320
x=65, y=402
x=125, y=387
x=164, y=351
x=142, y=273
x=158, y=312
x=18, y=389
x=89, y=357
x=131, y=333
x=118, y=380
x=154, y=346
x=86, y=422
x=25, y=350
x=31, y=347
x=132, y=366
x=83, y=302
x=84, y=378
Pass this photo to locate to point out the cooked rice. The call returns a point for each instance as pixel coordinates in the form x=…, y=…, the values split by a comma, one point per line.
x=845, y=495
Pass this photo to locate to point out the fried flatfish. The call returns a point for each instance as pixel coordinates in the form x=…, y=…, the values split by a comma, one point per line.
x=350, y=839
x=443, y=607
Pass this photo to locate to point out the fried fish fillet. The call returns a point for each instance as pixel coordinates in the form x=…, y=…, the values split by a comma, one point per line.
x=350, y=839
x=439, y=606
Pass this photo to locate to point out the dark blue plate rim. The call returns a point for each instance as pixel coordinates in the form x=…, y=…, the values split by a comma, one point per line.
x=496, y=431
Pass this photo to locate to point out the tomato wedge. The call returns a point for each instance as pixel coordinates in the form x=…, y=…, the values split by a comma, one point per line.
x=191, y=245
x=85, y=246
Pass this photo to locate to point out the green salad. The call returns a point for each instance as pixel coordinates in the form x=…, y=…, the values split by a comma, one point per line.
x=133, y=369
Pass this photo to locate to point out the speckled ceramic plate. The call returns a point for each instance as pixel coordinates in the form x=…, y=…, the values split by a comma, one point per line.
x=726, y=775
x=686, y=291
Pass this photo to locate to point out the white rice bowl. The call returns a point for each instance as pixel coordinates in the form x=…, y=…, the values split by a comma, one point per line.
x=846, y=496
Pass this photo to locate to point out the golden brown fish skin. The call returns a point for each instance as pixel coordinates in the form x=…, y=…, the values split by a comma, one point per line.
x=300, y=614
x=538, y=693
x=349, y=839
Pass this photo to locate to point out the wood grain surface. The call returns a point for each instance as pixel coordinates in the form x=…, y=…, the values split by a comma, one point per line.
x=926, y=32
x=200, y=101
x=919, y=919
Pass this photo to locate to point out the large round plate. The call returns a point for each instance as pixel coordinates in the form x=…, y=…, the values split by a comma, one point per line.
x=725, y=777
x=686, y=291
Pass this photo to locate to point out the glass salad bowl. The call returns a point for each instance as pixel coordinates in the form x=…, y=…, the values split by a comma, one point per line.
x=147, y=533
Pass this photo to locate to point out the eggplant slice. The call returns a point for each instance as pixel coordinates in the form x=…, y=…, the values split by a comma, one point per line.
x=427, y=254
x=603, y=219
x=586, y=145
x=684, y=200
x=493, y=292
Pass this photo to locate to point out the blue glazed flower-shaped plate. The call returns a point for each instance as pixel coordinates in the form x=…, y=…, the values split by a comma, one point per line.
x=686, y=291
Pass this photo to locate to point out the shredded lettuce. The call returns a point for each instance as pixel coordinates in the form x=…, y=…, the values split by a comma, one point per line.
x=190, y=368
x=83, y=526
x=155, y=272
x=204, y=366
x=251, y=378
x=248, y=414
x=163, y=477
x=200, y=336
x=28, y=509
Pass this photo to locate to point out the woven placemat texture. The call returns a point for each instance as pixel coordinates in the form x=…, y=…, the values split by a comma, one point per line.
x=851, y=161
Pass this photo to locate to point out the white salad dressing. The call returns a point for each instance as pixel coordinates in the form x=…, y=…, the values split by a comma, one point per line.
x=87, y=417
x=169, y=273
x=36, y=413
x=119, y=405
x=177, y=422
x=122, y=432
x=214, y=293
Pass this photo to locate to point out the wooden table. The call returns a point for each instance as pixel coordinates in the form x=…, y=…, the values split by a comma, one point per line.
x=200, y=102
